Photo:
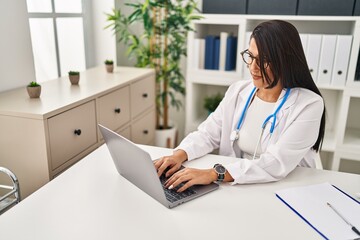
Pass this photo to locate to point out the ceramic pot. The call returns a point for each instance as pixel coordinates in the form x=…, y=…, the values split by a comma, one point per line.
x=74, y=79
x=109, y=68
x=34, y=92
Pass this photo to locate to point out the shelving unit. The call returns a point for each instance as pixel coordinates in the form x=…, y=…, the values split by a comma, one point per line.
x=342, y=136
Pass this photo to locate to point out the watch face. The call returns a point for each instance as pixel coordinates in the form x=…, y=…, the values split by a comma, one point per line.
x=220, y=169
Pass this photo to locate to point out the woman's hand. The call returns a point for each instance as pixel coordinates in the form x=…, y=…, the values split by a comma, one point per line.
x=190, y=177
x=171, y=163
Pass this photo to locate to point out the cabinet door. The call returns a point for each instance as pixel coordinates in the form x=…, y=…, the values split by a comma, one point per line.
x=142, y=95
x=143, y=130
x=114, y=108
x=71, y=132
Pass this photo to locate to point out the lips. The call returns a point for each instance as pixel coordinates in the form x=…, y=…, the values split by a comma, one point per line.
x=255, y=77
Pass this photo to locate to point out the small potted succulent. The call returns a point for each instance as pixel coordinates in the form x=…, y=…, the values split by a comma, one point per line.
x=109, y=64
x=74, y=77
x=33, y=89
x=212, y=102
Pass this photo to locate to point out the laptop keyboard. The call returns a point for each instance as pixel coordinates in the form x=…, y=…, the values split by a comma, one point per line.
x=172, y=195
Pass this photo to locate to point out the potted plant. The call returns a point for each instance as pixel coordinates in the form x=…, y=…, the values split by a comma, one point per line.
x=212, y=102
x=74, y=77
x=160, y=46
x=109, y=64
x=33, y=89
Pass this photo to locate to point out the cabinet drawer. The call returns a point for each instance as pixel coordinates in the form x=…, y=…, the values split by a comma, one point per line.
x=114, y=108
x=143, y=130
x=142, y=95
x=125, y=133
x=64, y=142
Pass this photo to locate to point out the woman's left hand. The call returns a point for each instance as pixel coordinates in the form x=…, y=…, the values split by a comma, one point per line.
x=190, y=177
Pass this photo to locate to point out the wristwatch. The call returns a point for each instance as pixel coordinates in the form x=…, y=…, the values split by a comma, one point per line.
x=220, y=170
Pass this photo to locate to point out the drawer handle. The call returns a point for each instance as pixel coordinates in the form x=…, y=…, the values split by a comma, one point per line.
x=145, y=131
x=77, y=132
x=145, y=95
x=117, y=110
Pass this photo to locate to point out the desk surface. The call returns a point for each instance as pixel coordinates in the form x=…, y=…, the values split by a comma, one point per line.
x=92, y=201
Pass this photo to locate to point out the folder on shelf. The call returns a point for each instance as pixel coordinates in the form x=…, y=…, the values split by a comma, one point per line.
x=341, y=62
x=327, y=54
x=216, y=53
x=223, y=43
x=310, y=204
x=231, y=53
x=210, y=51
x=245, y=69
x=304, y=40
x=199, y=53
x=312, y=53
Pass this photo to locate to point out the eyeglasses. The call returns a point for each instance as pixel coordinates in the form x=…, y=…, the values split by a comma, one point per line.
x=249, y=58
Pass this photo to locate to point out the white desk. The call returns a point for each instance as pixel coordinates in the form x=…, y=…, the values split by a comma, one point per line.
x=92, y=201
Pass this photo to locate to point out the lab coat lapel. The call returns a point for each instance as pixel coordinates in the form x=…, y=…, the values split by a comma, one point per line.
x=241, y=99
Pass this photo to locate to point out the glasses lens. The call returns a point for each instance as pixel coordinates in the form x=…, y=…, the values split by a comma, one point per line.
x=247, y=58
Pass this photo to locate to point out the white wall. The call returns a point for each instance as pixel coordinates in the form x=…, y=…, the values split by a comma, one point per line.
x=16, y=56
x=104, y=39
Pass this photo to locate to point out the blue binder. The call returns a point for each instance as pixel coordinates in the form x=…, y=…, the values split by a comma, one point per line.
x=231, y=48
x=216, y=53
x=210, y=51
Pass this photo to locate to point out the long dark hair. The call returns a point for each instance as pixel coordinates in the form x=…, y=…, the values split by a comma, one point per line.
x=279, y=44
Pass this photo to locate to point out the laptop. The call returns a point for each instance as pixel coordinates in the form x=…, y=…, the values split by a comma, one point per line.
x=136, y=165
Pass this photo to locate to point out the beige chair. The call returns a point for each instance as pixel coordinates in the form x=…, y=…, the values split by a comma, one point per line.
x=12, y=193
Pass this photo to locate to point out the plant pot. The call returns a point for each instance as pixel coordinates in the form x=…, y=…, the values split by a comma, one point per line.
x=74, y=79
x=166, y=137
x=34, y=92
x=109, y=68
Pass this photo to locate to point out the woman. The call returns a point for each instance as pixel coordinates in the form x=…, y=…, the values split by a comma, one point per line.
x=281, y=97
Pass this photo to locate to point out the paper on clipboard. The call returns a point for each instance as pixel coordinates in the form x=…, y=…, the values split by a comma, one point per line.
x=310, y=203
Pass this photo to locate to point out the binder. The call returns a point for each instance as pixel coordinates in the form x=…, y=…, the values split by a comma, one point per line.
x=209, y=51
x=341, y=62
x=216, y=53
x=245, y=69
x=313, y=53
x=304, y=40
x=223, y=43
x=196, y=51
x=310, y=204
x=231, y=53
x=327, y=55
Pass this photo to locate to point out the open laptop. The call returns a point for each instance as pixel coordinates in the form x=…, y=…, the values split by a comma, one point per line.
x=136, y=165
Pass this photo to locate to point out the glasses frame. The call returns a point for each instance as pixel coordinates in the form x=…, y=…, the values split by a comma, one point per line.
x=257, y=60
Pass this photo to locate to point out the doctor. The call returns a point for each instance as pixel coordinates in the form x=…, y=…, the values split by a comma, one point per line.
x=272, y=123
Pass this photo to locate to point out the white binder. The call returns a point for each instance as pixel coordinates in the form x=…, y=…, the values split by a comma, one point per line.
x=313, y=53
x=341, y=62
x=304, y=40
x=246, y=71
x=199, y=53
x=328, y=46
x=222, y=57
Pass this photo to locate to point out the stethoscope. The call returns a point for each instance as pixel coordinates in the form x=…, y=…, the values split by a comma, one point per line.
x=234, y=136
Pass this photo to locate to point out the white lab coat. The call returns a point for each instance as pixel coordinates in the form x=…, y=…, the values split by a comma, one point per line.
x=296, y=131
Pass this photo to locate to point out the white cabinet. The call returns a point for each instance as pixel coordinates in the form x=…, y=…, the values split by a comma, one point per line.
x=342, y=136
x=40, y=138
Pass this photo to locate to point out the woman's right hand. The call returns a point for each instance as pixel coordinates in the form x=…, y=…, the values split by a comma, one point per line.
x=171, y=163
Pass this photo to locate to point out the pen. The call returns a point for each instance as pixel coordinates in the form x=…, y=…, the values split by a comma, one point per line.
x=342, y=217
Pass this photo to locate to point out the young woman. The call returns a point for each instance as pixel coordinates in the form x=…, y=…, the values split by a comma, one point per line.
x=272, y=123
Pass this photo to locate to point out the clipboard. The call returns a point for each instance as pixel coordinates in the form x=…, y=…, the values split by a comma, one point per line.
x=310, y=204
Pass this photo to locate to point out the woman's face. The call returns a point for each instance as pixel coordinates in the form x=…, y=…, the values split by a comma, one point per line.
x=258, y=79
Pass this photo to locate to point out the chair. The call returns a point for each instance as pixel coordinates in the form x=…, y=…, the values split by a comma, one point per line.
x=11, y=197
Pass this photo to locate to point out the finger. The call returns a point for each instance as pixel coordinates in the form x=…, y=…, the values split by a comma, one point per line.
x=172, y=170
x=186, y=186
x=179, y=180
x=162, y=168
